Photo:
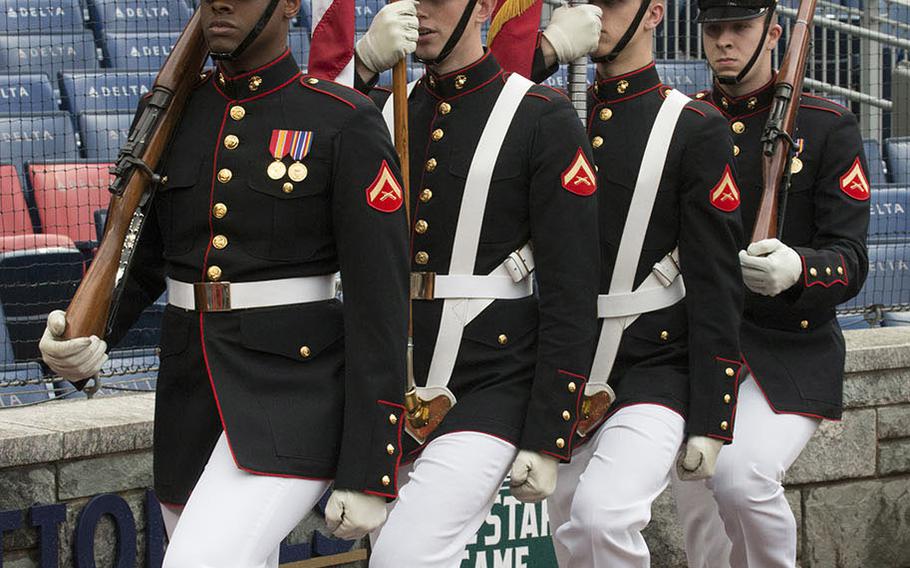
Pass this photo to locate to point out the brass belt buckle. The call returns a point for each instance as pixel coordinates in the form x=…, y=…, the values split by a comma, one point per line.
x=212, y=296
x=423, y=285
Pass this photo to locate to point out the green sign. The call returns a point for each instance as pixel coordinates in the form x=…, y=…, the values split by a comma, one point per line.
x=515, y=535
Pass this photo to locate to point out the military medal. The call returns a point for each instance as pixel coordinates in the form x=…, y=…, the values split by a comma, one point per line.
x=301, y=143
x=796, y=165
x=278, y=148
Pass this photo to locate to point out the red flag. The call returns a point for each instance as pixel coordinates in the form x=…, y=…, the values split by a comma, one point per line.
x=332, y=41
x=513, y=34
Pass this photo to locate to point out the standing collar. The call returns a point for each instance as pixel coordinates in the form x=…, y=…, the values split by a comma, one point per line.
x=260, y=80
x=627, y=85
x=463, y=80
x=746, y=104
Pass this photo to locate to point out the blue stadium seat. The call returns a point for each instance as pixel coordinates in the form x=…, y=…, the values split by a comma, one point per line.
x=688, y=76
x=26, y=94
x=103, y=133
x=146, y=332
x=104, y=91
x=897, y=158
x=6, y=346
x=138, y=16
x=364, y=12
x=23, y=394
x=133, y=52
x=877, y=172
x=37, y=136
x=888, y=282
x=47, y=53
x=888, y=209
x=896, y=319
x=305, y=18
x=856, y=321
x=299, y=44
x=41, y=17
x=559, y=79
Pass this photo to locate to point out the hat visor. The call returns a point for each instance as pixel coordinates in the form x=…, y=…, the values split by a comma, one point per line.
x=728, y=14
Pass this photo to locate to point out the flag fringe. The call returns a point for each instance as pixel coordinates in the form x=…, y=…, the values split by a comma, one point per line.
x=510, y=9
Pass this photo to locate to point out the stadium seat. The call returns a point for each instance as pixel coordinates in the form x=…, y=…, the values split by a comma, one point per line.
x=14, y=215
x=299, y=44
x=364, y=12
x=38, y=274
x=146, y=332
x=856, y=321
x=6, y=346
x=40, y=17
x=305, y=18
x=888, y=208
x=877, y=173
x=18, y=395
x=67, y=196
x=133, y=52
x=896, y=319
x=104, y=91
x=688, y=76
x=47, y=53
x=897, y=158
x=48, y=136
x=104, y=133
x=559, y=79
x=26, y=94
x=138, y=16
x=888, y=282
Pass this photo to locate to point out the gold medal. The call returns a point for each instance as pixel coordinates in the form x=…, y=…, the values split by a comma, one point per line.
x=277, y=169
x=297, y=172
x=796, y=166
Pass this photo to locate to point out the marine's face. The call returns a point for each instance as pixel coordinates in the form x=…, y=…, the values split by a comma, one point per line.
x=225, y=23
x=437, y=20
x=616, y=19
x=730, y=45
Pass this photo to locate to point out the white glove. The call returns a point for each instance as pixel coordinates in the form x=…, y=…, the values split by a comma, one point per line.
x=351, y=514
x=699, y=458
x=533, y=476
x=391, y=37
x=770, y=267
x=574, y=31
x=72, y=359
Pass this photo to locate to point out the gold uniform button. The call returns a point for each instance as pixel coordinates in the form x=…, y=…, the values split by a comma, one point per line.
x=502, y=339
x=724, y=425
x=231, y=141
x=288, y=187
x=445, y=108
x=699, y=95
x=312, y=81
x=735, y=150
x=572, y=387
x=421, y=226
x=597, y=142
x=804, y=324
x=425, y=196
x=386, y=480
x=729, y=371
x=422, y=257
x=219, y=210
x=560, y=443
x=393, y=419
x=606, y=114
x=664, y=335
x=727, y=399
x=254, y=83
x=238, y=112
x=438, y=134
x=840, y=269
x=305, y=351
x=566, y=415
x=225, y=175
x=219, y=241
x=813, y=272
x=214, y=273
x=828, y=270
x=390, y=449
x=431, y=164
x=738, y=127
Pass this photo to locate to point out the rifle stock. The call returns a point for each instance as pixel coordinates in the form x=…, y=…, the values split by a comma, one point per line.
x=88, y=311
x=781, y=123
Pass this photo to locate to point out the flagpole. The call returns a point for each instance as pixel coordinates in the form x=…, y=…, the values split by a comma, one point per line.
x=578, y=80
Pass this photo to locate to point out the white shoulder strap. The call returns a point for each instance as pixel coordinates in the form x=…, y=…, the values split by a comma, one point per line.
x=388, y=109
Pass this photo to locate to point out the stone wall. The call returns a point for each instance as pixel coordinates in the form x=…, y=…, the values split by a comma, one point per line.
x=850, y=489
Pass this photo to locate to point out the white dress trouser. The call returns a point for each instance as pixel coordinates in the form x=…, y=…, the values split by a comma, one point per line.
x=236, y=519
x=603, y=496
x=448, y=494
x=740, y=517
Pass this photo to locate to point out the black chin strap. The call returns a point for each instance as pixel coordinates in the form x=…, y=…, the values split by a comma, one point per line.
x=761, y=44
x=250, y=37
x=626, y=37
x=454, y=38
